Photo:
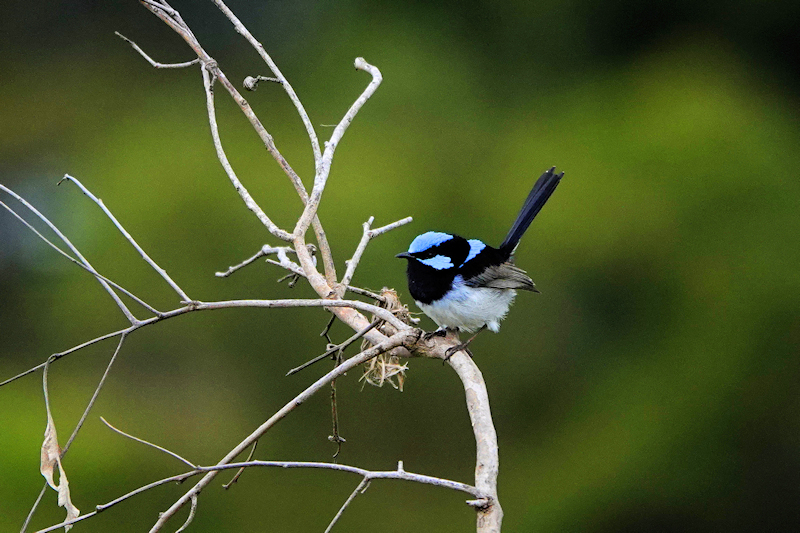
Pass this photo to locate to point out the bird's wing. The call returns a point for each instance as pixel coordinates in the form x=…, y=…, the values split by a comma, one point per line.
x=503, y=276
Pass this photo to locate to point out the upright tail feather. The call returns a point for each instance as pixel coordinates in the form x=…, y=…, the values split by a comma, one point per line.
x=541, y=191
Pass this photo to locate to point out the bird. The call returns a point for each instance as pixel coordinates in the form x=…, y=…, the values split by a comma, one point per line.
x=464, y=285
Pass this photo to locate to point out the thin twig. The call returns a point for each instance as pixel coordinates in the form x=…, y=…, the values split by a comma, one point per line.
x=336, y=348
x=94, y=397
x=335, y=437
x=326, y=332
x=324, y=169
x=301, y=111
x=124, y=308
x=400, y=338
x=248, y=261
x=100, y=508
x=81, y=265
x=59, y=355
x=223, y=159
x=190, y=517
x=283, y=260
x=156, y=446
x=362, y=245
x=154, y=63
x=365, y=292
x=358, y=490
x=235, y=478
x=33, y=508
x=251, y=82
x=161, y=272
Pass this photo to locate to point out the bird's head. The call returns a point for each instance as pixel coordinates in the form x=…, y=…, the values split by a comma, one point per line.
x=441, y=251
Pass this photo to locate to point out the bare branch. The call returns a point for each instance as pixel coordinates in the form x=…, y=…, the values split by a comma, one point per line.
x=360, y=489
x=154, y=63
x=236, y=477
x=336, y=348
x=81, y=265
x=33, y=508
x=156, y=446
x=398, y=474
x=201, y=306
x=403, y=337
x=240, y=28
x=362, y=245
x=161, y=272
x=190, y=517
x=330, y=147
x=94, y=396
x=100, y=508
x=223, y=159
x=124, y=308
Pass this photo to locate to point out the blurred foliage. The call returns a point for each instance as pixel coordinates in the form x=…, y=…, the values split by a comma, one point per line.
x=653, y=386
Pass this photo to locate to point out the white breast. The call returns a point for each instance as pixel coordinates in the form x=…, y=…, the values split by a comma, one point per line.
x=470, y=308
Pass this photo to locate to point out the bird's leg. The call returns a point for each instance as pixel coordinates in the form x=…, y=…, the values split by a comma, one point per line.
x=441, y=331
x=462, y=346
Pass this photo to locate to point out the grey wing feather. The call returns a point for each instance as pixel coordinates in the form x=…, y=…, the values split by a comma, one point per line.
x=503, y=276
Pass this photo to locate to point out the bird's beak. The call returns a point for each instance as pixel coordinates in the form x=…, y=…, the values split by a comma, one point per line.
x=405, y=255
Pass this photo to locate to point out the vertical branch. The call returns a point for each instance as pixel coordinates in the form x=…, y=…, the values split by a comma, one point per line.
x=208, y=83
x=319, y=232
x=487, y=463
x=330, y=147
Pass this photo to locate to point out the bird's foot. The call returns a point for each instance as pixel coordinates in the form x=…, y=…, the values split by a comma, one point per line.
x=461, y=346
x=441, y=332
x=457, y=348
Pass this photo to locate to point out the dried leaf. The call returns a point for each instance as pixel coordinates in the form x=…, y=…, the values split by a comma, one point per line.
x=50, y=452
x=51, y=456
x=64, y=499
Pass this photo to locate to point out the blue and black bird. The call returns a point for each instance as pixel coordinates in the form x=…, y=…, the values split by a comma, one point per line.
x=465, y=285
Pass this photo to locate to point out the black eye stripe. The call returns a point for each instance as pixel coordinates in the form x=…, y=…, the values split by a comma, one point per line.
x=456, y=249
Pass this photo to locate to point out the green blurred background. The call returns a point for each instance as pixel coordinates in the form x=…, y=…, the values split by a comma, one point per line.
x=652, y=386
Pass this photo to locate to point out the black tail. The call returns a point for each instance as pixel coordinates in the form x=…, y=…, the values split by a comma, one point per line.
x=541, y=191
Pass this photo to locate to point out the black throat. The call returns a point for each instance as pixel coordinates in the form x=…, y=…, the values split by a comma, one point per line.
x=427, y=284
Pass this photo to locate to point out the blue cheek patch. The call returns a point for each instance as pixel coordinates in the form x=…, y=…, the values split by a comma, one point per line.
x=475, y=247
x=427, y=241
x=439, y=262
